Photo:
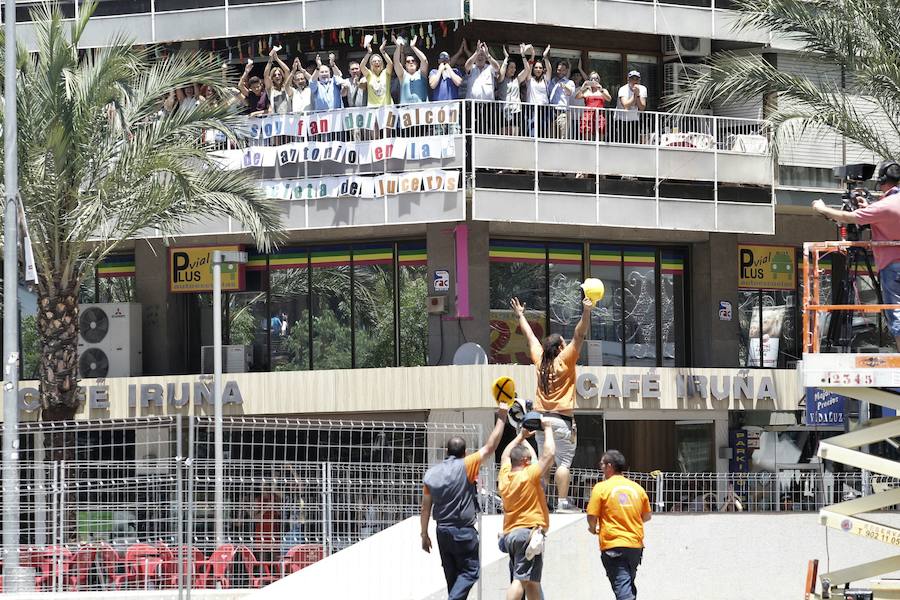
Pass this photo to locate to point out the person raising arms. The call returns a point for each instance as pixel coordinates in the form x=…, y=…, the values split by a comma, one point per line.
x=555, y=397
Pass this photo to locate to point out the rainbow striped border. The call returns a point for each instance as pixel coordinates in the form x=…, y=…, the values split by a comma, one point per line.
x=606, y=256
x=329, y=256
x=256, y=261
x=412, y=254
x=672, y=263
x=565, y=254
x=118, y=265
x=289, y=258
x=639, y=257
x=373, y=254
x=517, y=252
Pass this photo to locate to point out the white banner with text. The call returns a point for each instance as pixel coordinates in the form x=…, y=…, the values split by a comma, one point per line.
x=362, y=186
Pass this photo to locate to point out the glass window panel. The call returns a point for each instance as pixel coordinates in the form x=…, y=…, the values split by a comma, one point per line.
x=639, y=294
x=289, y=298
x=249, y=325
x=116, y=289
x=565, y=290
x=650, y=76
x=373, y=305
x=694, y=442
x=518, y=269
x=606, y=318
x=749, y=321
x=674, y=309
x=413, y=292
x=609, y=66
x=331, y=308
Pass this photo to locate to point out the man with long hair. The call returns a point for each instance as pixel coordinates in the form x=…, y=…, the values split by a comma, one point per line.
x=555, y=398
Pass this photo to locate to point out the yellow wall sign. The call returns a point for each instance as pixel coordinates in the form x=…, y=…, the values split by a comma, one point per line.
x=190, y=270
x=767, y=267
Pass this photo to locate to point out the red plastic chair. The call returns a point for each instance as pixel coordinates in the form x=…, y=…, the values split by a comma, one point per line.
x=221, y=565
x=143, y=564
x=78, y=567
x=300, y=557
x=198, y=562
x=45, y=561
x=258, y=572
x=112, y=567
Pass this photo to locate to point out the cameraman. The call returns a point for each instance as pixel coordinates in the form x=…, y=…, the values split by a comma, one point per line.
x=884, y=217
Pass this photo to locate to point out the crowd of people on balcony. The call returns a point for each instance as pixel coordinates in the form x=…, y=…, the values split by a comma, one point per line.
x=522, y=95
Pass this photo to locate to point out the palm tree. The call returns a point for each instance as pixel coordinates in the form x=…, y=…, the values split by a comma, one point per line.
x=99, y=163
x=859, y=36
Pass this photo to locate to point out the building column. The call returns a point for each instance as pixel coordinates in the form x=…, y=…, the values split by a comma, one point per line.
x=714, y=280
x=446, y=333
x=163, y=314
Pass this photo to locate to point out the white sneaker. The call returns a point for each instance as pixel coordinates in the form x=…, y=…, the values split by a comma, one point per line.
x=564, y=505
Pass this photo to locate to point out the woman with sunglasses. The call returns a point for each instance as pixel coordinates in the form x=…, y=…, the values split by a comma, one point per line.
x=414, y=74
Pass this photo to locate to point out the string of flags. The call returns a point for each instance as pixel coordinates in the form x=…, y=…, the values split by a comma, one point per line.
x=245, y=48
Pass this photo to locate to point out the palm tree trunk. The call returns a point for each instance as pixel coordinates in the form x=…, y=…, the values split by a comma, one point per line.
x=58, y=329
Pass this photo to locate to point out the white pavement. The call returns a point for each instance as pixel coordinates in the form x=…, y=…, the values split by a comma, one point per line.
x=713, y=556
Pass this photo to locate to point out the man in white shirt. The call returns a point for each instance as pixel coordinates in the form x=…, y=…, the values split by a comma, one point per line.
x=562, y=89
x=632, y=99
x=482, y=69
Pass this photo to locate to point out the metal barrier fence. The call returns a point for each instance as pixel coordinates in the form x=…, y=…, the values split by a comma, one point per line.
x=129, y=504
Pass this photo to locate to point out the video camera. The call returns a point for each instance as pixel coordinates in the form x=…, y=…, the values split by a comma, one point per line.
x=854, y=175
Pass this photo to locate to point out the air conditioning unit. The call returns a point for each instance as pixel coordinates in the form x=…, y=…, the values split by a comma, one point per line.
x=681, y=45
x=109, y=340
x=678, y=74
x=235, y=358
x=152, y=450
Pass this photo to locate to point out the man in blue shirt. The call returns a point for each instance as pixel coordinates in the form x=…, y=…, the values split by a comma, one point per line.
x=326, y=89
x=561, y=91
x=444, y=80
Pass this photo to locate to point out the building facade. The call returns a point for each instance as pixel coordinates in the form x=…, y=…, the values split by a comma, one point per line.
x=409, y=229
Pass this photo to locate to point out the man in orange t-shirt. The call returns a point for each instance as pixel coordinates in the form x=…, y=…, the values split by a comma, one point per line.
x=620, y=507
x=555, y=361
x=525, y=511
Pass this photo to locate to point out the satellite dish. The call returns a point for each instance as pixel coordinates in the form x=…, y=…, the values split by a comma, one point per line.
x=470, y=353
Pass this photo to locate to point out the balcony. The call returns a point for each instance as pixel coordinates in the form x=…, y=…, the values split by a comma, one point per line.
x=178, y=20
x=417, y=163
x=662, y=171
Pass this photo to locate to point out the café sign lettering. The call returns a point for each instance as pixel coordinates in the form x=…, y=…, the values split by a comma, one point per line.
x=691, y=391
x=144, y=395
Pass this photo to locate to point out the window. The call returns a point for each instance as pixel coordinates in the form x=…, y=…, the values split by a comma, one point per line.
x=768, y=328
x=333, y=307
x=412, y=290
x=332, y=346
x=114, y=279
x=642, y=319
x=373, y=305
x=517, y=269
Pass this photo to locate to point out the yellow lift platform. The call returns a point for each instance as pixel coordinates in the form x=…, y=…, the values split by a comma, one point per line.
x=862, y=377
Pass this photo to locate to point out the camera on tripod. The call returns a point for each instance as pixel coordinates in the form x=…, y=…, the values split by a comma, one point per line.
x=854, y=175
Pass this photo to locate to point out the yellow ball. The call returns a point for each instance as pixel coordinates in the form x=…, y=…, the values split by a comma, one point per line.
x=504, y=390
x=593, y=289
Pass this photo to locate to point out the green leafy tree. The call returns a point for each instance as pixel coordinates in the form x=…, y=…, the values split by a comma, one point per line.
x=98, y=163
x=858, y=36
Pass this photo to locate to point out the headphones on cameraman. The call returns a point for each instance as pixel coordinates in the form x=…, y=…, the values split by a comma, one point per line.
x=889, y=171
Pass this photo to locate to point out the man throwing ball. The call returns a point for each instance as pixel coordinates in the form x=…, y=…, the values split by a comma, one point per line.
x=450, y=495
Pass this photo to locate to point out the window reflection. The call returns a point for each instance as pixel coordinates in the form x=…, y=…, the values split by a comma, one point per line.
x=289, y=300
x=518, y=269
x=373, y=305
x=331, y=341
x=413, y=289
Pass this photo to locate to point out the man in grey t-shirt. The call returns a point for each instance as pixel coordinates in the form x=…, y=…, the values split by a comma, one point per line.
x=451, y=496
